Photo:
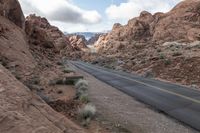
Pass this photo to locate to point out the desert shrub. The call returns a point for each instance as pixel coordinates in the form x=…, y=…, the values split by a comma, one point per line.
x=167, y=62
x=159, y=50
x=81, y=83
x=148, y=74
x=79, y=93
x=69, y=81
x=83, y=88
x=86, y=114
x=68, y=70
x=55, y=81
x=59, y=81
x=177, y=54
x=162, y=56
x=59, y=63
x=65, y=81
x=84, y=98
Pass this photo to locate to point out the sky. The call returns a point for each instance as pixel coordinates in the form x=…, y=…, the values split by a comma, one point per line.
x=92, y=15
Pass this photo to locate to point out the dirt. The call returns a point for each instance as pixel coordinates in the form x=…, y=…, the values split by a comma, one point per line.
x=128, y=113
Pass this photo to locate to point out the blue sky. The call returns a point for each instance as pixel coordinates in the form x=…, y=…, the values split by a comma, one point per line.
x=99, y=5
x=92, y=15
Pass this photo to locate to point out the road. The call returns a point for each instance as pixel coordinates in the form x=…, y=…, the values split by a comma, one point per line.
x=177, y=101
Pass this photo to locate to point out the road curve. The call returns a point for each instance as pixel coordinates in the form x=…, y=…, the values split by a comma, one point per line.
x=177, y=101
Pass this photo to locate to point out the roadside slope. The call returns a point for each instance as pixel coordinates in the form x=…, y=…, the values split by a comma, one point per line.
x=23, y=111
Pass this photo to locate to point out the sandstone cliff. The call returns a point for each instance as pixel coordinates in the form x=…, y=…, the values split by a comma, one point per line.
x=27, y=64
x=42, y=33
x=11, y=9
x=78, y=42
x=162, y=45
x=180, y=24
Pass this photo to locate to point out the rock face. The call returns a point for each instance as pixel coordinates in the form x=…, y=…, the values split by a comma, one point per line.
x=93, y=39
x=42, y=33
x=25, y=72
x=164, y=44
x=14, y=49
x=11, y=9
x=78, y=42
x=180, y=24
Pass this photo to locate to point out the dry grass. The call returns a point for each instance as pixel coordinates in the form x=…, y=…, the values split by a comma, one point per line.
x=86, y=114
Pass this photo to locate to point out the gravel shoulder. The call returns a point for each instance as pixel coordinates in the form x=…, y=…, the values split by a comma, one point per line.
x=124, y=110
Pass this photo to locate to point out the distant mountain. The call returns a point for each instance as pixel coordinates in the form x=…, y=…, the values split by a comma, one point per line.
x=87, y=35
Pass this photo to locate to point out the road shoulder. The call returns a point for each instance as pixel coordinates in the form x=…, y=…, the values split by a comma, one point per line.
x=128, y=112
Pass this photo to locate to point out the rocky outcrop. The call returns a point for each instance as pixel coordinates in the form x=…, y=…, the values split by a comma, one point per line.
x=42, y=33
x=180, y=24
x=25, y=72
x=11, y=9
x=93, y=39
x=14, y=49
x=78, y=42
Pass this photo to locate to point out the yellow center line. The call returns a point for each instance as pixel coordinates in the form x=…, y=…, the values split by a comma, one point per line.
x=158, y=88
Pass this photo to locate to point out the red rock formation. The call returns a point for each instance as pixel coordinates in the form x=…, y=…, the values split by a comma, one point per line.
x=42, y=33
x=181, y=24
x=78, y=42
x=11, y=9
x=21, y=109
x=14, y=49
x=164, y=44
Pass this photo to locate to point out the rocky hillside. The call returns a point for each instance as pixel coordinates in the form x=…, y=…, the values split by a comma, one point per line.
x=162, y=45
x=180, y=24
x=42, y=33
x=14, y=49
x=78, y=42
x=29, y=60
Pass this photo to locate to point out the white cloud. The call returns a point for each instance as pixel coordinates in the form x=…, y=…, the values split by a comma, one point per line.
x=132, y=8
x=69, y=27
x=60, y=10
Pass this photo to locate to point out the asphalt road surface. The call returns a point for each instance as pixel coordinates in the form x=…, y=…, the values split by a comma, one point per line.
x=177, y=101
